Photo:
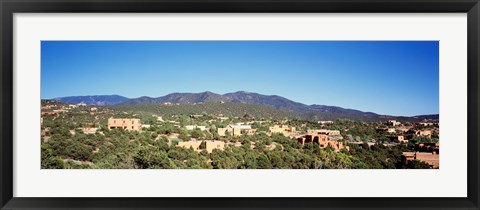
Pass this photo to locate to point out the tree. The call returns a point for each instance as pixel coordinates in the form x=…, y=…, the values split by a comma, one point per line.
x=213, y=129
x=78, y=151
x=49, y=161
x=184, y=136
x=225, y=163
x=264, y=162
x=203, y=145
x=175, y=141
x=419, y=139
x=276, y=159
x=196, y=133
x=149, y=157
x=416, y=164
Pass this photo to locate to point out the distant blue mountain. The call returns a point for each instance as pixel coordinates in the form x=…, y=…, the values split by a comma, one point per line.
x=100, y=100
x=316, y=112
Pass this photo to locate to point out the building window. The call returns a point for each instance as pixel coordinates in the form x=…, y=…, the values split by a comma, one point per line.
x=132, y=127
x=114, y=122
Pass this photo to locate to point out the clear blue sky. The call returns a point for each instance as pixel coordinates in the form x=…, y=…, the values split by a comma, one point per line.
x=385, y=77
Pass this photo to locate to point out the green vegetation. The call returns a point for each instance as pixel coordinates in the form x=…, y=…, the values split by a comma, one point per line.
x=65, y=145
x=227, y=109
x=124, y=149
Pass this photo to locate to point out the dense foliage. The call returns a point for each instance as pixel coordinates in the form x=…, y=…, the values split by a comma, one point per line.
x=227, y=109
x=151, y=149
x=65, y=145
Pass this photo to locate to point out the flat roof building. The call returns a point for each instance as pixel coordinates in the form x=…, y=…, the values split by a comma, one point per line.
x=323, y=141
x=393, y=123
x=209, y=145
x=424, y=133
x=431, y=158
x=234, y=130
x=324, y=132
x=193, y=127
x=401, y=139
x=286, y=130
x=124, y=123
x=89, y=130
x=325, y=122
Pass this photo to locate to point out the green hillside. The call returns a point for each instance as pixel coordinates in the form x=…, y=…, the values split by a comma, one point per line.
x=226, y=109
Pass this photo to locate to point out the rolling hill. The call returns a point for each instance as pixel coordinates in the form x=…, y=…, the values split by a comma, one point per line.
x=229, y=109
x=99, y=100
x=286, y=106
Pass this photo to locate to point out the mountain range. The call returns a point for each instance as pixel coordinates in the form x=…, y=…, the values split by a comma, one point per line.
x=320, y=112
x=99, y=100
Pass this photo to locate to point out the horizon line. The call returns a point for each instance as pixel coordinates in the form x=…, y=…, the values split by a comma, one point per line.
x=238, y=92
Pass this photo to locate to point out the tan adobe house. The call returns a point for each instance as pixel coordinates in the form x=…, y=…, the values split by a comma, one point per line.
x=89, y=130
x=325, y=122
x=324, y=132
x=124, y=123
x=401, y=139
x=425, y=133
x=394, y=123
x=235, y=130
x=431, y=158
x=283, y=129
x=426, y=123
x=209, y=145
x=193, y=127
x=323, y=141
x=428, y=147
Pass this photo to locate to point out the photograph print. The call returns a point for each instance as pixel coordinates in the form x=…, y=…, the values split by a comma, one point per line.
x=240, y=105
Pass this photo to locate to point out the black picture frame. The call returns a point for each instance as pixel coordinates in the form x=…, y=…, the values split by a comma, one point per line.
x=9, y=7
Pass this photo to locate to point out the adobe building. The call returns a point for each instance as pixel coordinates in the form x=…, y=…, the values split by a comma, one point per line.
x=393, y=123
x=391, y=130
x=89, y=130
x=401, y=139
x=426, y=124
x=250, y=132
x=235, y=130
x=229, y=129
x=283, y=129
x=403, y=129
x=60, y=110
x=324, y=132
x=361, y=143
x=323, y=141
x=72, y=106
x=431, y=158
x=209, y=145
x=424, y=133
x=48, y=113
x=223, y=118
x=124, y=123
x=427, y=147
x=193, y=127
x=386, y=130
x=187, y=144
